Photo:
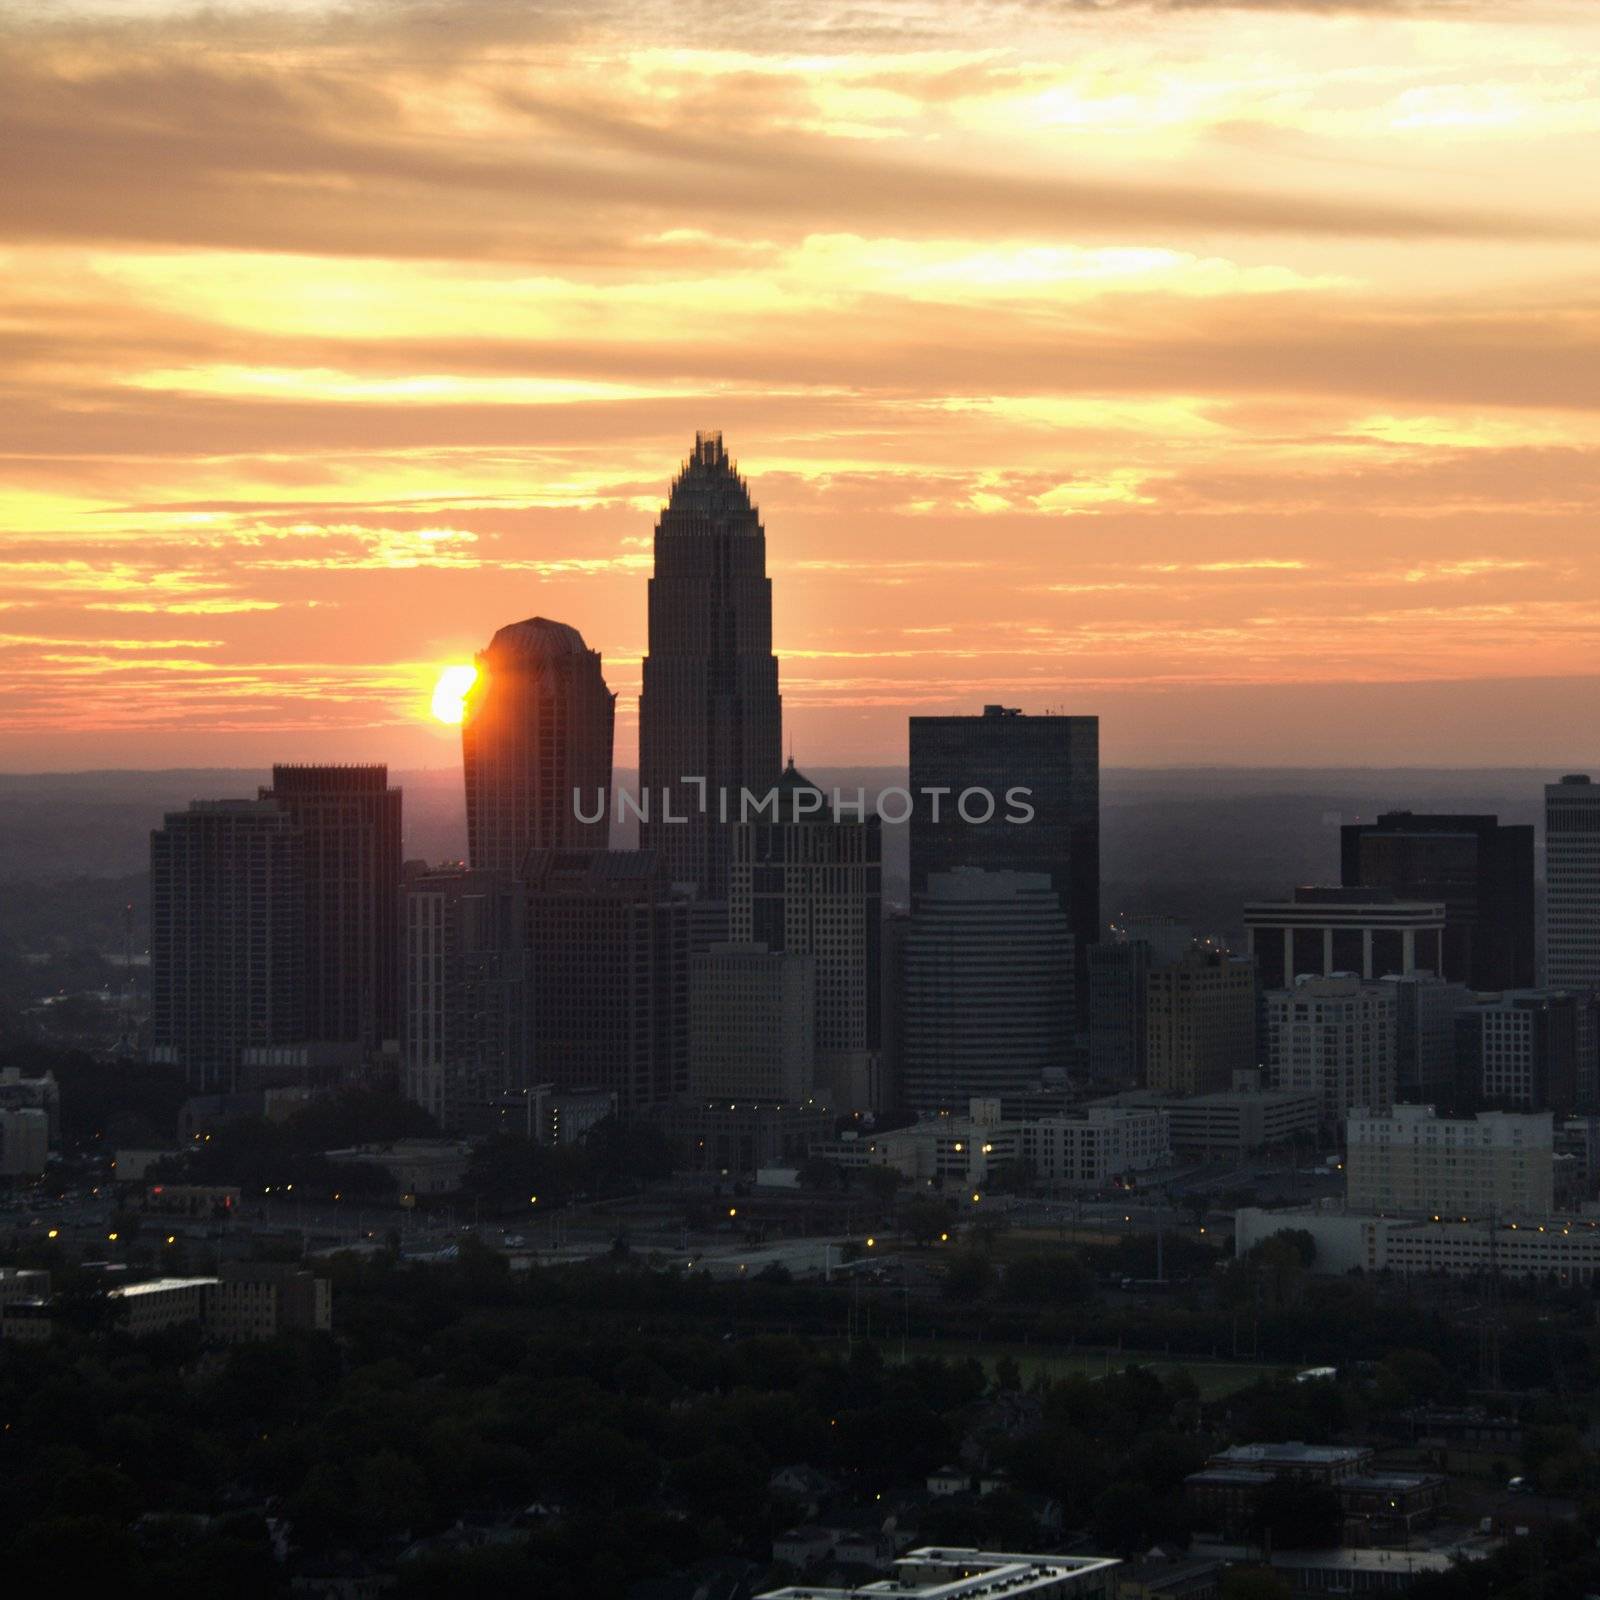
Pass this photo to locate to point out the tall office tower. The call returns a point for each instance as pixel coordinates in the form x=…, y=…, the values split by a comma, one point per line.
x=1528, y=1050
x=1425, y=1010
x=227, y=937
x=752, y=1015
x=609, y=944
x=710, y=718
x=465, y=1043
x=1482, y=872
x=1200, y=1022
x=1572, y=883
x=985, y=1010
x=1119, y=976
x=809, y=881
x=536, y=746
x=1057, y=760
x=1334, y=1036
x=1322, y=931
x=892, y=992
x=1498, y=1163
x=350, y=819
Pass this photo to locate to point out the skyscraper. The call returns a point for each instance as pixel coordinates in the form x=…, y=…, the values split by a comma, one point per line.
x=752, y=1012
x=350, y=821
x=608, y=943
x=1572, y=883
x=1119, y=976
x=808, y=881
x=1057, y=761
x=536, y=733
x=465, y=1043
x=227, y=937
x=1200, y=1021
x=1481, y=871
x=985, y=1008
x=710, y=718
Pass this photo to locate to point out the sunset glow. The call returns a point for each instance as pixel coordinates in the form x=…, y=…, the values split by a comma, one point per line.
x=450, y=693
x=1177, y=363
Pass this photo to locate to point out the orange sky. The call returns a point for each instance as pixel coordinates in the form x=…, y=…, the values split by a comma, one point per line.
x=1228, y=370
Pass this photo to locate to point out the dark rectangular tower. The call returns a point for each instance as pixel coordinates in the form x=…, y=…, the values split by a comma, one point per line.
x=227, y=937
x=1056, y=760
x=349, y=819
x=710, y=718
x=1481, y=872
x=608, y=946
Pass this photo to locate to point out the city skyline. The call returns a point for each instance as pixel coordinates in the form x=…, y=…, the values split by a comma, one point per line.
x=1220, y=371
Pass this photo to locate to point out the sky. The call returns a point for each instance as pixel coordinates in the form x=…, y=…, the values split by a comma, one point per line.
x=1228, y=371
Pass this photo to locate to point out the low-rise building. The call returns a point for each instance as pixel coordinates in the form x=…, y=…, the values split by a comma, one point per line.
x=958, y=1573
x=1565, y=1249
x=1082, y=1147
x=739, y=1137
x=1346, y=1572
x=1304, y=1463
x=261, y=1299
x=1169, y=1578
x=24, y=1142
x=1409, y=1159
x=1231, y=1122
x=418, y=1166
x=160, y=1304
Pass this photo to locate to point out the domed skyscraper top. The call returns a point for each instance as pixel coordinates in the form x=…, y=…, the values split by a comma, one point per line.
x=538, y=638
x=536, y=730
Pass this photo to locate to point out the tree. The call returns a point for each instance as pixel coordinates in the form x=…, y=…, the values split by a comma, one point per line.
x=968, y=1277
x=923, y=1220
x=881, y=1183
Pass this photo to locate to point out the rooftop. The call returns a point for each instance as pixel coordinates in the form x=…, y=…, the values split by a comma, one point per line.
x=537, y=639
x=942, y=1572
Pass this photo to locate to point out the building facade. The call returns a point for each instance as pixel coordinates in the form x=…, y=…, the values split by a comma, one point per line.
x=1200, y=1022
x=1053, y=762
x=349, y=820
x=466, y=1042
x=807, y=880
x=710, y=716
x=1528, y=1050
x=1425, y=1010
x=536, y=734
x=1565, y=1248
x=1572, y=883
x=227, y=937
x=608, y=942
x=1410, y=1160
x=986, y=1008
x=1481, y=871
x=752, y=1016
x=1322, y=931
x=1335, y=1037
x=1119, y=976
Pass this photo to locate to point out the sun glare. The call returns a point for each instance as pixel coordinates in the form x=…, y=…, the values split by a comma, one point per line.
x=450, y=692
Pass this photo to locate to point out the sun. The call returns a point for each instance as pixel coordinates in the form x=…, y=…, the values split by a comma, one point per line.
x=450, y=692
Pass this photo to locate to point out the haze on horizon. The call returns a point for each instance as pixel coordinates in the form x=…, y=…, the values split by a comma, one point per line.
x=1227, y=370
